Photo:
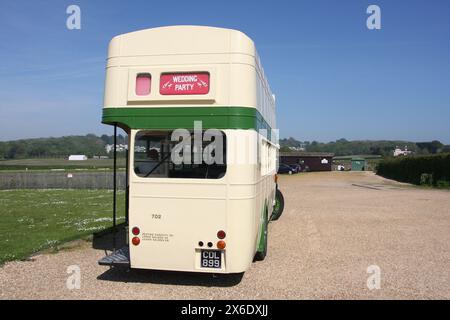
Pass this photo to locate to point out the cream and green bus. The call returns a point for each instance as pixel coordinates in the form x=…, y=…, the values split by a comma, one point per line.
x=202, y=161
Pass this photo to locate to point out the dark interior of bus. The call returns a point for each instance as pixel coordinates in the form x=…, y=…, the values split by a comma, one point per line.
x=152, y=158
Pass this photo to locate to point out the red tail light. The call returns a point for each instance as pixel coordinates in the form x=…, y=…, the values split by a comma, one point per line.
x=135, y=231
x=221, y=234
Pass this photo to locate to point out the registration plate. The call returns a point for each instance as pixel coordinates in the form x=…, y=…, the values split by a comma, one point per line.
x=211, y=259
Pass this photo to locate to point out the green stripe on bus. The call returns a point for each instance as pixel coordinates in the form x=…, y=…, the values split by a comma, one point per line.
x=265, y=220
x=184, y=117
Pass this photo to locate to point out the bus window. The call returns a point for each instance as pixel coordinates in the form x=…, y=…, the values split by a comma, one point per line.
x=152, y=158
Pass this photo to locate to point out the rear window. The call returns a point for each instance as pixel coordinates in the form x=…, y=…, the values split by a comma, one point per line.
x=154, y=156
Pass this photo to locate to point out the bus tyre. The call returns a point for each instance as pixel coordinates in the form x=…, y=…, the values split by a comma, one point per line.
x=261, y=255
x=279, y=206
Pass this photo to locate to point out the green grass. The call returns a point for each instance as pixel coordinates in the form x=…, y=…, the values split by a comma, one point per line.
x=47, y=164
x=33, y=220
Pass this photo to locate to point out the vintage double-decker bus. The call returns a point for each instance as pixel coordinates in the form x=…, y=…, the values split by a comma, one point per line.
x=201, y=170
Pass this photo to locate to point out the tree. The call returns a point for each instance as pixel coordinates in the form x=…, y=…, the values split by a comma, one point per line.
x=434, y=146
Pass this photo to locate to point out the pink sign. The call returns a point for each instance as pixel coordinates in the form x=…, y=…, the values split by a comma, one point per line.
x=184, y=83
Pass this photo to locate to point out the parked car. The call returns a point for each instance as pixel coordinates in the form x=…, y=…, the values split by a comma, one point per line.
x=297, y=168
x=285, y=168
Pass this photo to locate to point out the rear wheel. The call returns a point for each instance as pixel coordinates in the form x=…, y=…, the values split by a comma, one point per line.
x=279, y=206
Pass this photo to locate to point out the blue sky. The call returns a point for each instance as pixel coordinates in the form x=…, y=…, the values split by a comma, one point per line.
x=333, y=77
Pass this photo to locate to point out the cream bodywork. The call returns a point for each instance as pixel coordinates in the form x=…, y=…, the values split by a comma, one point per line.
x=237, y=78
x=174, y=214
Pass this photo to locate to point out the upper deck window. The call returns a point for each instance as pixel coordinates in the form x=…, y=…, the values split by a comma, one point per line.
x=184, y=83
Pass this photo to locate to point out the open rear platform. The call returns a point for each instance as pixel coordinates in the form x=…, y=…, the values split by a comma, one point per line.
x=119, y=258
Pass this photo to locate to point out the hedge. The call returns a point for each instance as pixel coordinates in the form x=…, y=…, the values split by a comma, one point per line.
x=429, y=169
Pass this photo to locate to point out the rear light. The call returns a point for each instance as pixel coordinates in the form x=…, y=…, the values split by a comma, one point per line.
x=221, y=234
x=275, y=178
x=136, y=241
x=221, y=244
x=135, y=231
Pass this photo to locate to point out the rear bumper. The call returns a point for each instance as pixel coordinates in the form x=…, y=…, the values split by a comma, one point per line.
x=121, y=258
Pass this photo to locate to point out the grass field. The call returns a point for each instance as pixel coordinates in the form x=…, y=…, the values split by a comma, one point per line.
x=33, y=220
x=47, y=164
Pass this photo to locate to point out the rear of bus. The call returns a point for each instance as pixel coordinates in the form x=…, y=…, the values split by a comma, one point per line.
x=162, y=84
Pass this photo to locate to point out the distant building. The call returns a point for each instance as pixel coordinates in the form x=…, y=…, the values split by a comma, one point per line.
x=400, y=152
x=119, y=147
x=311, y=161
x=299, y=148
x=77, y=157
x=358, y=164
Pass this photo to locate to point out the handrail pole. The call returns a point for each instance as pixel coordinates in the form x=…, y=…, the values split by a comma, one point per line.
x=114, y=188
x=127, y=187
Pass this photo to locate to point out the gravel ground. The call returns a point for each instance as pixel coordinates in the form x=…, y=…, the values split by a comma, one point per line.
x=335, y=225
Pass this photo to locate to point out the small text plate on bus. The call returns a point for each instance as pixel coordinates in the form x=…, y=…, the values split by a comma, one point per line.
x=184, y=83
x=211, y=259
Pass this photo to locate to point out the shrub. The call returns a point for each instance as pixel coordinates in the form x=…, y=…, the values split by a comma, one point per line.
x=443, y=184
x=426, y=179
x=428, y=170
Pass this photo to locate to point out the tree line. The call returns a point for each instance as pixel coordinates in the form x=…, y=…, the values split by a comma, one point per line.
x=61, y=147
x=343, y=147
x=93, y=145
